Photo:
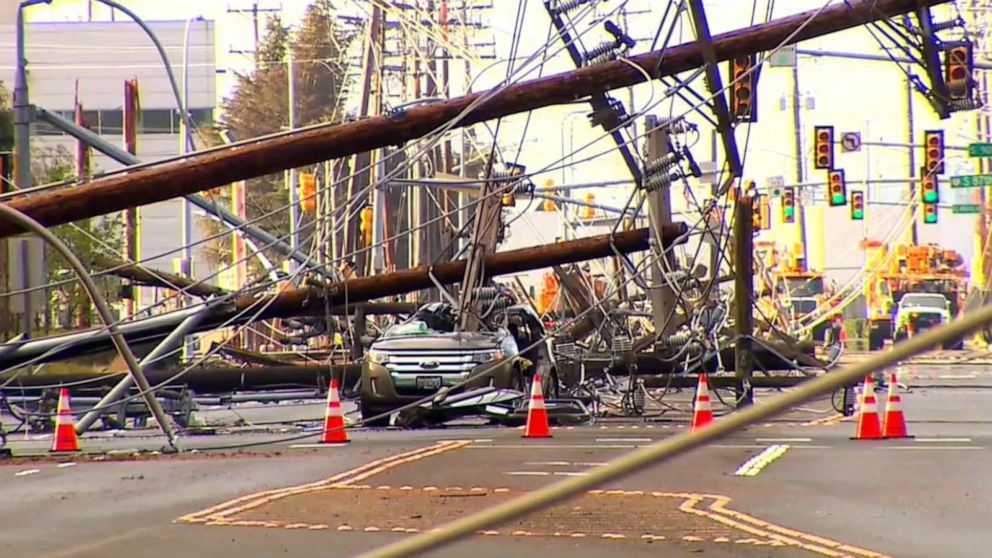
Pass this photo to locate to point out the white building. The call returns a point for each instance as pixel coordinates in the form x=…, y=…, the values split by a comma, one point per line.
x=99, y=57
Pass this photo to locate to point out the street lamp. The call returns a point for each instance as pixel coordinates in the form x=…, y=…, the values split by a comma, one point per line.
x=185, y=146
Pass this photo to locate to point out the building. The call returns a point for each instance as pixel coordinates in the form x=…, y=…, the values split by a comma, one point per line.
x=95, y=58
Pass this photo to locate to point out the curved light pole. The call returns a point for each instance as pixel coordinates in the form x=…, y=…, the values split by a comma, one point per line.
x=103, y=310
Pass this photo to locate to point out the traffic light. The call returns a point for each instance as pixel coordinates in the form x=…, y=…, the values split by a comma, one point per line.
x=823, y=147
x=930, y=213
x=743, y=100
x=760, y=212
x=857, y=205
x=6, y=172
x=789, y=205
x=837, y=188
x=307, y=192
x=365, y=224
x=929, y=188
x=508, y=200
x=933, y=142
x=587, y=211
x=958, y=66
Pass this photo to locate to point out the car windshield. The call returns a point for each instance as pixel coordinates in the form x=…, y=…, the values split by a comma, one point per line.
x=409, y=329
x=803, y=305
x=924, y=301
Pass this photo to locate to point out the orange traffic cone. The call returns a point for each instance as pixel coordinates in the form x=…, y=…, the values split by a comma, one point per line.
x=868, y=426
x=894, y=424
x=334, y=432
x=537, y=414
x=702, y=412
x=65, y=431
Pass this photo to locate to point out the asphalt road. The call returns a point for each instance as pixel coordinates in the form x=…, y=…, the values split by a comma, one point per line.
x=818, y=493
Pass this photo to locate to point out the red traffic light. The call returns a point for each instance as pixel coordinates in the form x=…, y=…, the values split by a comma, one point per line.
x=823, y=137
x=742, y=89
x=837, y=188
x=934, y=157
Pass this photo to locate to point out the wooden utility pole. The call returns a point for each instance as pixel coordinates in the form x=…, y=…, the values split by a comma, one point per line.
x=343, y=296
x=744, y=296
x=367, y=107
x=663, y=299
x=258, y=157
x=485, y=232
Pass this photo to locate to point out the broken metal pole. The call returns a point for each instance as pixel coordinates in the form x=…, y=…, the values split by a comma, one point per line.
x=154, y=278
x=218, y=167
x=167, y=345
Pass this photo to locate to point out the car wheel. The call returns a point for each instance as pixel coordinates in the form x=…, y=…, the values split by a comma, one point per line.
x=370, y=410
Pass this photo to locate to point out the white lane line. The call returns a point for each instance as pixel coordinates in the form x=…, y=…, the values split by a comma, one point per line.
x=64, y=465
x=944, y=440
x=782, y=440
x=26, y=472
x=607, y=440
x=759, y=461
x=570, y=473
x=528, y=473
x=482, y=440
x=957, y=376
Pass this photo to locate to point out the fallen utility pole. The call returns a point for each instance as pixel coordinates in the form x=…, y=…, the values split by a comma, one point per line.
x=276, y=153
x=314, y=301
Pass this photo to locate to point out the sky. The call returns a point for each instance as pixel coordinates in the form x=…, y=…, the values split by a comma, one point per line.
x=854, y=96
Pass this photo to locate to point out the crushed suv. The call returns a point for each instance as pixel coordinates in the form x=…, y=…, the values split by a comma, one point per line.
x=419, y=357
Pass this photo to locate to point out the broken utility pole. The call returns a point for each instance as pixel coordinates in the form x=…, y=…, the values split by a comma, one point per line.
x=315, y=301
x=744, y=296
x=223, y=165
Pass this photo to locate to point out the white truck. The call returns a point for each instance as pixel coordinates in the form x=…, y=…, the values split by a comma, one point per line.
x=918, y=312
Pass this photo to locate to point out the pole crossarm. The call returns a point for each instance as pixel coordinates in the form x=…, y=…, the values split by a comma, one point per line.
x=218, y=167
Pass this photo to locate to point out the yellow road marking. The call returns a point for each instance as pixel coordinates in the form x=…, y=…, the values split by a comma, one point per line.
x=361, y=472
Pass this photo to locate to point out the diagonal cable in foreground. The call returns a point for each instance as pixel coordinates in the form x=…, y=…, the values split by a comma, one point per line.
x=679, y=444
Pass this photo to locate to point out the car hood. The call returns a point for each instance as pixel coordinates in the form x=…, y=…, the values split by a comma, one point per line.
x=451, y=342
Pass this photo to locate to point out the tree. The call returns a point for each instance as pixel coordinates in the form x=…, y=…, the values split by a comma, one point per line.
x=69, y=304
x=259, y=104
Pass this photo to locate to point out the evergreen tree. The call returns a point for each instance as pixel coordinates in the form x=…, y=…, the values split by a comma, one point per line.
x=259, y=104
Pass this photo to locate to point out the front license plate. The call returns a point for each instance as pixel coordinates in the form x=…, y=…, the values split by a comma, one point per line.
x=429, y=382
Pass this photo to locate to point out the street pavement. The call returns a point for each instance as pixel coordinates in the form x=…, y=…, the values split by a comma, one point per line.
x=815, y=493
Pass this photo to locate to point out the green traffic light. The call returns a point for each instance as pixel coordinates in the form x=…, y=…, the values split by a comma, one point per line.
x=839, y=199
x=930, y=218
x=790, y=212
x=930, y=196
x=857, y=214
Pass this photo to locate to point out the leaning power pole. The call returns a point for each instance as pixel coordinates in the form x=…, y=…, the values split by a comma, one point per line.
x=312, y=145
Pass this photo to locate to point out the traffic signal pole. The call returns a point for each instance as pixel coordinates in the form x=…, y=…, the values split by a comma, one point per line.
x=223, y=165
x=800, y=177
x=911, y=155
